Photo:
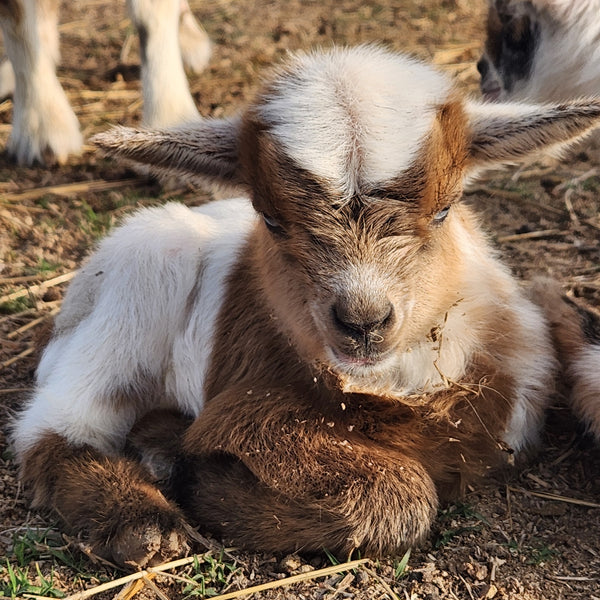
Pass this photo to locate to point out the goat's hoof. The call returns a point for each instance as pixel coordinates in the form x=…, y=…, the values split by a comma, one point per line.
x=141, y=545
x=46, y=132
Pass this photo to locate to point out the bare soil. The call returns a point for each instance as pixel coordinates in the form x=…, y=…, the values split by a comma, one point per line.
x=531, y=535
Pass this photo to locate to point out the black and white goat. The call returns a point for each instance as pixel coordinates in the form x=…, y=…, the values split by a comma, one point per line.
x=349, y=346
x=541, y=50
x=45, y=128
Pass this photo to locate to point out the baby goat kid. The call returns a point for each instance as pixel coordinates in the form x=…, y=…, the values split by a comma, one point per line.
x=349, y=345
x=541, y=50
x=45, y=128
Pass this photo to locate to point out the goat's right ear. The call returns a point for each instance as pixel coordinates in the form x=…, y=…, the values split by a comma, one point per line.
x=206, y=149
x=504, y=133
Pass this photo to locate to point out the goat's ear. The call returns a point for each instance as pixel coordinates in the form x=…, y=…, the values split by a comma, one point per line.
x=510, y=132
x=206, y=150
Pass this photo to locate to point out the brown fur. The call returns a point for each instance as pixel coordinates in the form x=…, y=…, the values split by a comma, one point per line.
x=292, y=457
x=575, y=330
x=434, y=181
x=562, y=315
x=112, y=499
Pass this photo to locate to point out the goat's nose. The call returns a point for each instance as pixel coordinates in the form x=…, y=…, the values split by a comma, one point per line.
x=356, y=320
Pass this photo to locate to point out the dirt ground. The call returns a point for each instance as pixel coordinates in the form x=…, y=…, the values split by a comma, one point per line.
x=532, y=535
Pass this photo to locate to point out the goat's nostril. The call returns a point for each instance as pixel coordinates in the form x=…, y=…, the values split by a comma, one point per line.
x=483, y=66
x=363, y=322
x=388, y=316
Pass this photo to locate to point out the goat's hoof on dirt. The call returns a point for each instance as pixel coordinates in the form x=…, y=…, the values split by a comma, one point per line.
x=144, y=545
x=47, y=134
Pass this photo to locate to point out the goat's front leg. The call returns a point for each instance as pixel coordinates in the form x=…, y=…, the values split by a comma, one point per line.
x=45, y=128
x=110, y=500
x=263, y=473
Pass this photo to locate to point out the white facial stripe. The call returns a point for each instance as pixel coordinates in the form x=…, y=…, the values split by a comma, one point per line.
x=355, y=117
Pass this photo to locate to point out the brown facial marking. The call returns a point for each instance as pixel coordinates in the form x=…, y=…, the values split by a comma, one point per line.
x=434, y=180
x=273, y=177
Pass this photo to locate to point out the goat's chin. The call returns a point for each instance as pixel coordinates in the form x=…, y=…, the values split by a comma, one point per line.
x=360, y=368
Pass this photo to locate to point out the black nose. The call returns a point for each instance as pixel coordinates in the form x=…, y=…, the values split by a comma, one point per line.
x=361, y=321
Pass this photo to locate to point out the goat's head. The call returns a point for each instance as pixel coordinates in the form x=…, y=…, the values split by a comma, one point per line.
x=355, y=159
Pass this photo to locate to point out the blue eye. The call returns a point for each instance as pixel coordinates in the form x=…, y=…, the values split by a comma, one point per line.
x=272, y=224
x=439, y=217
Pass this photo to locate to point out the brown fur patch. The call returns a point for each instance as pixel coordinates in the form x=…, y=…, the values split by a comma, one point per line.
x=272, y=175
x=434, y=181
x=112, y=499
x=563, y=317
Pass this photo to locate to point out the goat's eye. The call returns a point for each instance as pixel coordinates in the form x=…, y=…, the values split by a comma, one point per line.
x=272, y=225
x=439, y=218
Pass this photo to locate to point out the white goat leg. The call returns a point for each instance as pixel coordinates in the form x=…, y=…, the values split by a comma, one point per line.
x=157, y=23
x=45, y=127
x=194, y=42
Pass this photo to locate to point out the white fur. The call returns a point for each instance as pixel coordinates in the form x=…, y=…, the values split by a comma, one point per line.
x=567, y=62
x=322, y=115
x=45, y=128
x=43, y=120
x=134, y=327
x=193, y=41
x=7, y=78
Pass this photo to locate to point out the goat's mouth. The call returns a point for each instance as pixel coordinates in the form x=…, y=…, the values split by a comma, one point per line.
x=491, y=92
x=358, y=364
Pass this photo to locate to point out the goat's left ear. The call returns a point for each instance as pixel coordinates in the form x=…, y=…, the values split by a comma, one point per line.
x=206, y=149
x=510, y=132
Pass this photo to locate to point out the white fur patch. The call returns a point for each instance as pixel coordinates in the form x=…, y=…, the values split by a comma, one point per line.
x=136, y=329
x=354, y=117
x=533, y=371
